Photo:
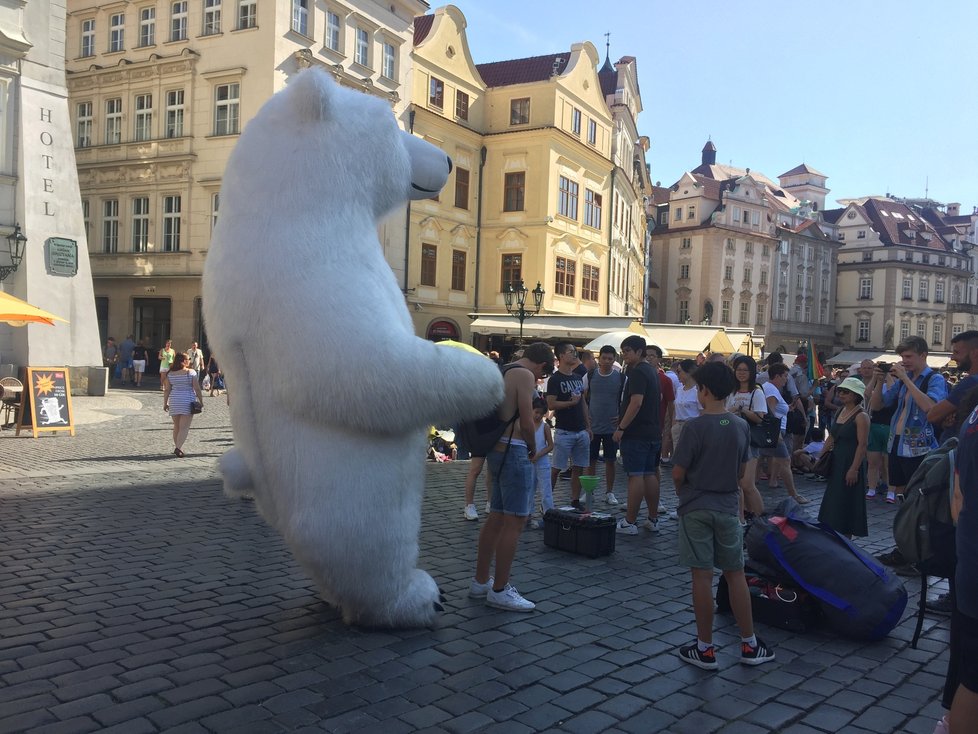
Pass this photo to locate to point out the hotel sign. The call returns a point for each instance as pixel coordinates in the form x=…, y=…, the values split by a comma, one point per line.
x=61, y=256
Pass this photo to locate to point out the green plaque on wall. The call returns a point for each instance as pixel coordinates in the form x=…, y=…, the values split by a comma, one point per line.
x=61, y=256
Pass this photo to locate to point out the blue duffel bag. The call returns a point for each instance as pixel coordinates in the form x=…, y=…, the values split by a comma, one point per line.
x=859, y=597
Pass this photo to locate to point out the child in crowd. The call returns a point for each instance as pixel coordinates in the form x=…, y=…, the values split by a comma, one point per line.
x=803, y=460
x=544, y=442
x=707, y=465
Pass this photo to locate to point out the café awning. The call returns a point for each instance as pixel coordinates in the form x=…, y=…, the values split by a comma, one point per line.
x=935, y=360
x=551, y=326
x=683, y=340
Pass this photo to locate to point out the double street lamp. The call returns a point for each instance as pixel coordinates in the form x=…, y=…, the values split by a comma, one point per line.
x=515, y=299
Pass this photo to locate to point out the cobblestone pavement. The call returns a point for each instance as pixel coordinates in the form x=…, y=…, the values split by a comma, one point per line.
x=135, y=598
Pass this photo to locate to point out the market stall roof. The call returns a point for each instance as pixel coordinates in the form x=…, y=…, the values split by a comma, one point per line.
x=935, y=360
x=683, y=340
x=553, y=326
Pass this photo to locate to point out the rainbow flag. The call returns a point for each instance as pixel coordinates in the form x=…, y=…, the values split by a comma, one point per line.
x=815, y=369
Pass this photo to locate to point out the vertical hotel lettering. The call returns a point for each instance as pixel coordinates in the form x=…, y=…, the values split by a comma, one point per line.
x=47, y=140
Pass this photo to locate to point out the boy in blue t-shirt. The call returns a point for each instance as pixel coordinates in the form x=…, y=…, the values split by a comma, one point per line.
x=707, y=466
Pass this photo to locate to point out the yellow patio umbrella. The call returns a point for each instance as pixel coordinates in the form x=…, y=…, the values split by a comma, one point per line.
x=459, y=345
x=20, y=313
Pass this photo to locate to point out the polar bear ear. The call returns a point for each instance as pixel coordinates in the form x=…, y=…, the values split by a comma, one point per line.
x=311, y=93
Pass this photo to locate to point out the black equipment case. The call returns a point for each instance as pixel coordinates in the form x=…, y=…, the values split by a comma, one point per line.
x=590, y=534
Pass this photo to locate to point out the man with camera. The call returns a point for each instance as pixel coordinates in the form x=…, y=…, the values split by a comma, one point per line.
x=912, y=388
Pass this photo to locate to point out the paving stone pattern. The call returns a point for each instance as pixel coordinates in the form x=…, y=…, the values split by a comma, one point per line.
x=135, y=597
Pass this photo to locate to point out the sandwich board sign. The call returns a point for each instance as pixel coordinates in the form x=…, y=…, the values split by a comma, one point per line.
x=45, y=403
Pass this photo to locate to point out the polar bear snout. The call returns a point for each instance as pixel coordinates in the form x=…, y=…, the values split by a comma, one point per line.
x=430, y=167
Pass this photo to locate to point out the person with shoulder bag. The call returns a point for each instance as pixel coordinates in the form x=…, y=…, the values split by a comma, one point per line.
x=748, y=402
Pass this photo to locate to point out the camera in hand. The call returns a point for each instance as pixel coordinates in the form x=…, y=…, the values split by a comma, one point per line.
x=884, y=367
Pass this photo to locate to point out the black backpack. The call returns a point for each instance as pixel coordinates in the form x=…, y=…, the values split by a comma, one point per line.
x=923, y=528
x=479, y=435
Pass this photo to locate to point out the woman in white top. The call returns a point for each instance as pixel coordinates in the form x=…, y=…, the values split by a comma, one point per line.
x=749, y=403
x=687, y=404
x=779, y=460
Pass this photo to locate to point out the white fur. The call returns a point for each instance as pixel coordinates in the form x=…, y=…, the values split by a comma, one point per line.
x=331, y=391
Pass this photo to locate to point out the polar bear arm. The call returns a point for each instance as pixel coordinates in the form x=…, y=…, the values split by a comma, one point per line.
x=418, y=386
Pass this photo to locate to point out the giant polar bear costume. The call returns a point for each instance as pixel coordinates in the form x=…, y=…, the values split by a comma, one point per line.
x=331, y=390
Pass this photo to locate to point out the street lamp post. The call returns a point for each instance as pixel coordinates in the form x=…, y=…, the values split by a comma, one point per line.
x=515, y=299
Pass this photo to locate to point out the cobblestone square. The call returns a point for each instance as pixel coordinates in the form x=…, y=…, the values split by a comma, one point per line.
x=135, y=597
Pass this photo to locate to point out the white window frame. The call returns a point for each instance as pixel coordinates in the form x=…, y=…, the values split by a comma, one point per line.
x=939, y=292
x=388, y=67
x=178, y=20
x=725, y=311
x=229, y=122
x=147, y=26
x=865, y=288
x=937, y=333
x=908, y=290
x=110, y=226
x=113, y=121
x=782, y=311
x=684, y=271
x=744, y=313
x=922, y=328
x=247, y=14
x=84, y=124
x=923, y=292
x=683, y=309
x=212, y=18
x=592, y=132
x=88, y=37
x=300, y=17
x=174, y=113
x=117, y=32
x=143, y=117
x=862, y=330
x=361, y=47
x=171, y=223
x=904, y=329
x=759, y=314
x=140, y=224
x=334, y=32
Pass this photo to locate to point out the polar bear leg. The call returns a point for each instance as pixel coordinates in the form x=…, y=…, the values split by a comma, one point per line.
x=417, y=605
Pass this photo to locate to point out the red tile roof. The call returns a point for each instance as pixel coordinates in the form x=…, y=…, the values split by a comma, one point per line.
x=895, y=225
x=422, y=26
x=660, y=194
x=523, y=71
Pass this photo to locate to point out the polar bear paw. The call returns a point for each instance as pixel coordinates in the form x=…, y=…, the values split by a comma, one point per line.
x=418, y=605
x=237, y=476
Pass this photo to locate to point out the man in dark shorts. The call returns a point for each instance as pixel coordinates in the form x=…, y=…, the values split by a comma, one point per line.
x=639, y=436
x=914, y=390
x=964, y=615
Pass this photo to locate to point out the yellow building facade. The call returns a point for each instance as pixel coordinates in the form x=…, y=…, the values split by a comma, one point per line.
x=530, y=198
x=159, y=92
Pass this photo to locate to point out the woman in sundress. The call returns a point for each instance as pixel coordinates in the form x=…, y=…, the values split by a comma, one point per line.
x=180, y=389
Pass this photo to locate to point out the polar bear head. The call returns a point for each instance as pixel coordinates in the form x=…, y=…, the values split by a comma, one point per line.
x=318, y=147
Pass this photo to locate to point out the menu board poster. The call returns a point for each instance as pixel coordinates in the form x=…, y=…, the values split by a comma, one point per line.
x=46, y=401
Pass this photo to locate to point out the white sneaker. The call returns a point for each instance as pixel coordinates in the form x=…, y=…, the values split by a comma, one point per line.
x=651, y=523
x=625, y=527
x=870, y=493
x=672, y=515
x=610, y=499
x=509, y=599
x=488, y=508
x=471, y=513
x=662, y=508
x=479, y=591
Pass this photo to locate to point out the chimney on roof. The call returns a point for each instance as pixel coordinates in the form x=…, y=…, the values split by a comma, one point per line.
x=953, y=209
x=709, y=154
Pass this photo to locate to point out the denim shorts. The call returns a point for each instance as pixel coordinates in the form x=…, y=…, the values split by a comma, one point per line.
x=711, y=539
x=604, y=440
x=573, y=445
x=640, y=457
x=512, y=481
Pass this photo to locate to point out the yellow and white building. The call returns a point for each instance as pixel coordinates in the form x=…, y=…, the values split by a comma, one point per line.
x=159, y=92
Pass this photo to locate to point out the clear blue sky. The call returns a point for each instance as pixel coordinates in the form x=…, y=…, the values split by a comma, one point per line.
x=878, y=96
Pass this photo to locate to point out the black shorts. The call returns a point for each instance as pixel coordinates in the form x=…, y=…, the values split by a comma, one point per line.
x=599, y=440
x=901, y=468
x=962, y=665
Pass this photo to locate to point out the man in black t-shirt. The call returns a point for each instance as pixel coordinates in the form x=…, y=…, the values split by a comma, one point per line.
x=639, y=435
x=572, y=436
